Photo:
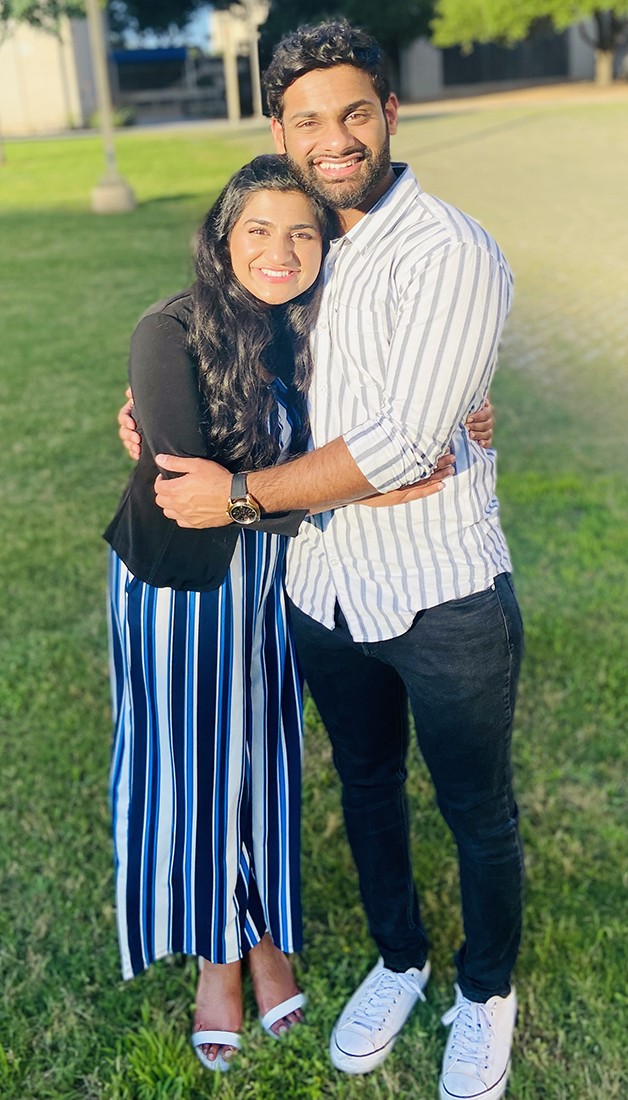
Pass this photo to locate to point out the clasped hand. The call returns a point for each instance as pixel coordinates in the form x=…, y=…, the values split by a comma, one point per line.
x=199, y=498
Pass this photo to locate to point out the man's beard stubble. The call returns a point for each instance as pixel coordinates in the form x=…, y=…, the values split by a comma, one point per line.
x=343, y=195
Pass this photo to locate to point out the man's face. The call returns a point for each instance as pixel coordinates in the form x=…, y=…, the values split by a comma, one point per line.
x=336, y=134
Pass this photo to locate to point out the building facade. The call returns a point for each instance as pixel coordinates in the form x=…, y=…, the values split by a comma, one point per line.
x=46, y=83
x=427, y=72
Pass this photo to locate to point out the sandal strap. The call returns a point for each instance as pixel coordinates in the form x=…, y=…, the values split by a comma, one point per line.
x=283, y=1009
x=221, y=1038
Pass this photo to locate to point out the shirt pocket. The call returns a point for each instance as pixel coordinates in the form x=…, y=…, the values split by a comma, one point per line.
x=360, y=345
x=351, y=320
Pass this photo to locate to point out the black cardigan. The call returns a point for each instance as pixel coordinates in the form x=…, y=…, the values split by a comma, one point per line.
x=168, y=409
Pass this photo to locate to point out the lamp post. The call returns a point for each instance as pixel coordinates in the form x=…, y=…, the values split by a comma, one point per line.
x=112, y=194
x=230, y=63
x=256, y=13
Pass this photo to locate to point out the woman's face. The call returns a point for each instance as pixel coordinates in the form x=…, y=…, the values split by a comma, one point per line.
x=276, y=247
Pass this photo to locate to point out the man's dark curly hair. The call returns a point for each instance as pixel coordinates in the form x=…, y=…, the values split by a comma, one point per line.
x=333, y=43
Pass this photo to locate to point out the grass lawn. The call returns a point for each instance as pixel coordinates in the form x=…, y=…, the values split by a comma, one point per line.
x=551, y=183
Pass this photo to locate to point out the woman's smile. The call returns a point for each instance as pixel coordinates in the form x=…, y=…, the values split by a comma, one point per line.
x=274, y=274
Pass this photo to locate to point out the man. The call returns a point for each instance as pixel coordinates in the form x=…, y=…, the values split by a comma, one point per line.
x=413, y=602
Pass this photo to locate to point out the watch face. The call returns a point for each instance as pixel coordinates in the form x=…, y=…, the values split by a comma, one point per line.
x=243, y=513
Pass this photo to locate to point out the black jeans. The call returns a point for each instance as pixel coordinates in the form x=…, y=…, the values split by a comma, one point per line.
x=458, y=665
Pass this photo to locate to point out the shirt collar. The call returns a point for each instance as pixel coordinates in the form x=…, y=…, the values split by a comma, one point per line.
x=386, y=213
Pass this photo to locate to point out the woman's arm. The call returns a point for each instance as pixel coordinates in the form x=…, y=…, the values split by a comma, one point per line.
x=164, y=380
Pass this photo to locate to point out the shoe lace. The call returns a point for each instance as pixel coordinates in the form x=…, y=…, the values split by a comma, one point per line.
x=374, y=1006
x=472, y=1032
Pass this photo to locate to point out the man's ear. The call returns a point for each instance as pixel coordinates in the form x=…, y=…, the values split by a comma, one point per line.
x=391, y=110
x=277, y=132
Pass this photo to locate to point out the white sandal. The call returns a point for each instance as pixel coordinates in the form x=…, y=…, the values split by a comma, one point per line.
x=223, y=1038
x=281, y=1010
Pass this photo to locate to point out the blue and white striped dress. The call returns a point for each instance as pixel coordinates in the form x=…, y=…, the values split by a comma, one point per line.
x=206, y=768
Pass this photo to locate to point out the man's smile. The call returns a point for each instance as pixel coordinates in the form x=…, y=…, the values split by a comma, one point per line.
x=338, y=168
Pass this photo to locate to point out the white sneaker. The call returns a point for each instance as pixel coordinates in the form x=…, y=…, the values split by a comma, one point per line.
x=368, y=1026
x=476, y=1062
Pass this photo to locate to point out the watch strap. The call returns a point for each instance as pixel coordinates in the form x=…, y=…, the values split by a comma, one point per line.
x=238, y=487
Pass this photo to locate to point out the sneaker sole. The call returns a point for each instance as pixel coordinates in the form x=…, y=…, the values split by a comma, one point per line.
x=494, y=1093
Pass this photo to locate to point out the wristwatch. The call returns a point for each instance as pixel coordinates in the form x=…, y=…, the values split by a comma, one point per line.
x=242, y=507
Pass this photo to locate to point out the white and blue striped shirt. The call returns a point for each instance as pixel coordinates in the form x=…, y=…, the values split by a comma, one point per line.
x=416, y=296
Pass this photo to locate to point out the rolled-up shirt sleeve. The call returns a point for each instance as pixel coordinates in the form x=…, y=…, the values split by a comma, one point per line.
x=442, y=357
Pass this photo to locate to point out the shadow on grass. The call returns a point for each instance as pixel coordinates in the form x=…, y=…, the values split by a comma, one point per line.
x=435, y=115
x=183, y=196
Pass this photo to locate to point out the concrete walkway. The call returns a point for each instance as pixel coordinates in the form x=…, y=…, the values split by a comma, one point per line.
x=490, y=97
x=220, y=127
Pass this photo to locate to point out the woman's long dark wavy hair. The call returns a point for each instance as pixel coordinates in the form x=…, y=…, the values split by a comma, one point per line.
x=233, y=335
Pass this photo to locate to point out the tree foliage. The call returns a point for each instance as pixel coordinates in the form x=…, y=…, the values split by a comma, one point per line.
x=462, y=22
x=158, y=16
x=394, y=23
x=45, y=14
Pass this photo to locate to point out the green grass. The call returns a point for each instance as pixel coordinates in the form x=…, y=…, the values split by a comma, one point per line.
x=551, y=184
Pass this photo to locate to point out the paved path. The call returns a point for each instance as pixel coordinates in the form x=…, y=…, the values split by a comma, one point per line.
x=548, y=176
x=490, y=97
x=468, y=97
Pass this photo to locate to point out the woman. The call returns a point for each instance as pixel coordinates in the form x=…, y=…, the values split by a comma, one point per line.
x=206, y=763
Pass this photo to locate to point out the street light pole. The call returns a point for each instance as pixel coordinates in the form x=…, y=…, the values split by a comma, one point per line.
x=230, y=66
x=112, y=194
x=252, y=7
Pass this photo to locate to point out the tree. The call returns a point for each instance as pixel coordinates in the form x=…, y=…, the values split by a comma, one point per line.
x=394, y=23
x=162, y=17
x=45, y=14
x=463, y=22
x=5, y=9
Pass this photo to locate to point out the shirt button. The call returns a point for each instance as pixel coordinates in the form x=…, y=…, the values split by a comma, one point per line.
x=334, y=561
x=323, y=324
x=322, y=390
